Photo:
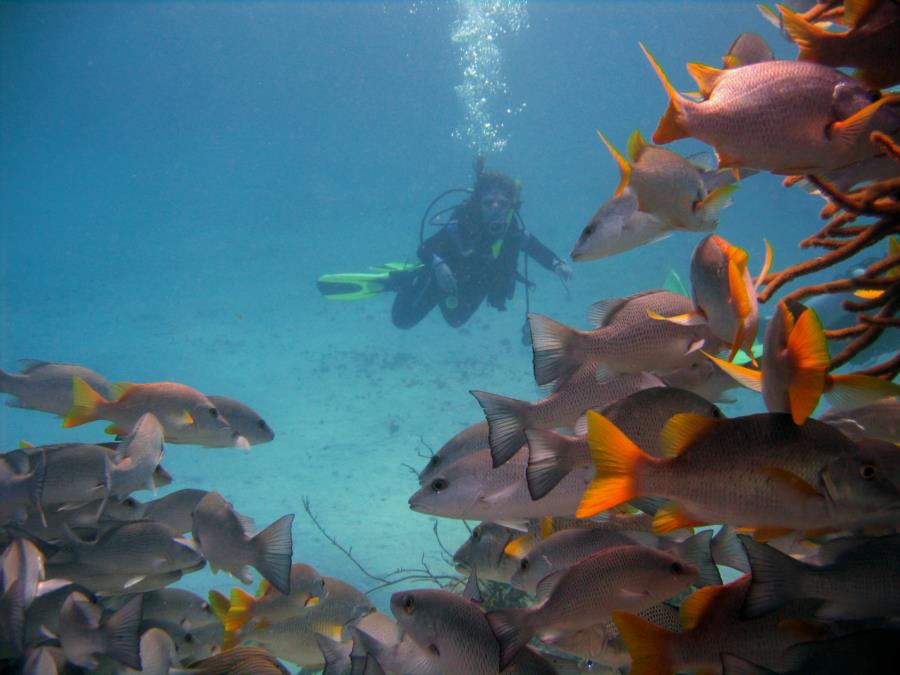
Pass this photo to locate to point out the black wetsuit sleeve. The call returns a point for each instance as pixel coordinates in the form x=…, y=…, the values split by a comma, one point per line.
x=438, y=244
x=534, y=248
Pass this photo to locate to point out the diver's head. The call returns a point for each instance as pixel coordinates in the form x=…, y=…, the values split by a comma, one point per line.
x=495, y=198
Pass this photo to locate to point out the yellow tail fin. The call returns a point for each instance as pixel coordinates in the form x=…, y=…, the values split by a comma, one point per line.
x=240, y=611
x=809, y=352
x=617, y=460
x=812, y=40
x=846, y=392
x=85, y=402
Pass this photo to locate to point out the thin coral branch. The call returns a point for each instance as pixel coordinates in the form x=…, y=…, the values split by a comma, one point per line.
x=888, y=370
x=846, y=333
x=883, y=141
x=867, y=338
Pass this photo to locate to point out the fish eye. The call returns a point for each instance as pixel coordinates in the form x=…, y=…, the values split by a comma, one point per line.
x=205, y=607
x=589, y=230
x=261, y=424
x=716, y=412
x=409, y=604
x=868, y=471
x=523, y=564
x=476, y=534
x=213, y=412
x=438, y=484
x=188, y=638
x=676, y=567
x=130, y=502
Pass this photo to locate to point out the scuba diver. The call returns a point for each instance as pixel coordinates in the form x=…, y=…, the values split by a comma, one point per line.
x=473, y=257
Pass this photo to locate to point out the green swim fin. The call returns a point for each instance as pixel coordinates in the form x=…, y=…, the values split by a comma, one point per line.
x=361, y=285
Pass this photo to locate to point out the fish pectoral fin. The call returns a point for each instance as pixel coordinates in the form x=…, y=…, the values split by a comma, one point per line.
x=695, y=346
x=133, y=581
x=695, y=318
x=519, y=546
x=752, y=379
x=186, y=419
x=791, y=482
x=847, y=132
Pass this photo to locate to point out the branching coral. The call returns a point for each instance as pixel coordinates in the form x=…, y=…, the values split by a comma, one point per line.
x=844, y=239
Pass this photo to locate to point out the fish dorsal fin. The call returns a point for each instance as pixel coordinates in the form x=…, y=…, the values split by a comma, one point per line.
x=636, y=145
x=706, y=77
x=671, y=126
x=602, y=311
x=519, y=547
x=118, y=389
x=624, y=166
x=25, y=445
x=674, y=284
x=695, y=607
x=682, y=430
x=848, y=132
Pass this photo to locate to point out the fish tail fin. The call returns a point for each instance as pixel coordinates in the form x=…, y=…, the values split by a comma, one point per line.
x=617, y=461
x=274, y=548
x=649, y=645
x=513, y=630
x=219, y=604
x=727, y=550
x=697, y=550
x=237, y=614
x=85, y=404
x=555, y=348
x=775, y=579
x=332, y=652
x=845, y=392
x=624, y=166
x=124, y=631
x=816, y=44
x=809, y=351
x=671, y=126
x=549, y=461
x=507, y=419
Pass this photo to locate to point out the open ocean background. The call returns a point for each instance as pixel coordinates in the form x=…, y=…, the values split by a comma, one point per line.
x=175, y=176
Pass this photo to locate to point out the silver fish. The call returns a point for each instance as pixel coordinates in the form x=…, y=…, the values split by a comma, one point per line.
x=47, y=386
x=225, y=545
x=472, y=438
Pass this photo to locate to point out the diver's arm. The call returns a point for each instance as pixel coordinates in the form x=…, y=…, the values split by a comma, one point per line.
x=537, y=250
x=544, y=256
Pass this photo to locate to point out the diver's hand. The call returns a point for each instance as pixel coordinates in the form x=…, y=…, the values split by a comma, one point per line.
x=563, y=271
x=444, y=276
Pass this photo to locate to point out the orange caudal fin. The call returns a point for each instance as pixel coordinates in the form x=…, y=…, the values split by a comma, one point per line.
x=85, y=404
x=649, y=645
x=672, y=125
x=621, y=162
x=617, y=461
x=845, y=392
x=808, y=351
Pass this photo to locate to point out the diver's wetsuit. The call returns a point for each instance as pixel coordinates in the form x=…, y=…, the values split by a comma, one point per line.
x=483, y=267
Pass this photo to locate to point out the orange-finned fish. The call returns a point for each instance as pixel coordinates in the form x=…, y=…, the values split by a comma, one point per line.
x=179, y=408
x=771, y=116
x=668, y=186
x=794, y=368
x=759, y=471
x=871, y=45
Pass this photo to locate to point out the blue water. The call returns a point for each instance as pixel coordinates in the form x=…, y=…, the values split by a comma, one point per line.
x=175, y=176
